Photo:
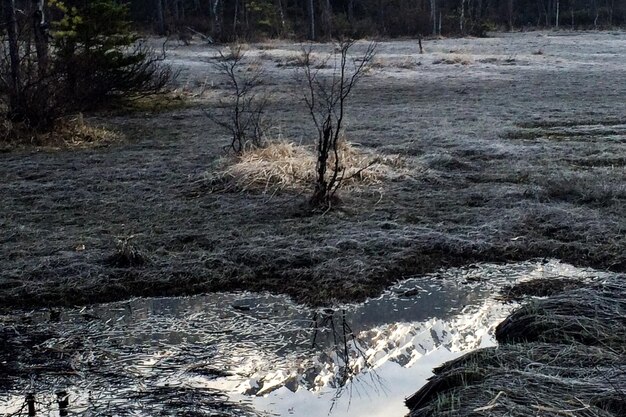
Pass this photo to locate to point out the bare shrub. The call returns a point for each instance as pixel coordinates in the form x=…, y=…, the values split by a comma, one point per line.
x=67, y=132
x=326, y=99
x=126, y=255
x=245, y=116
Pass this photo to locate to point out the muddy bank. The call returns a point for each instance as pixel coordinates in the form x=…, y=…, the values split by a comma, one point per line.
x=562, y=355
x=506, y=162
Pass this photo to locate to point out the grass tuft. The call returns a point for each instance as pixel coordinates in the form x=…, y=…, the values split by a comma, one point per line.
x=453, y=59
x=288, y=166
x=72, y=132
x=126, y=255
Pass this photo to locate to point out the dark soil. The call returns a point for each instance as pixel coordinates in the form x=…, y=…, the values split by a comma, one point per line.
x=477, y=194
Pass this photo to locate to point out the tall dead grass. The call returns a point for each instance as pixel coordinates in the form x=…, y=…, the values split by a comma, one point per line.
x=284, y=165
x=453, y=59
x=70, y=132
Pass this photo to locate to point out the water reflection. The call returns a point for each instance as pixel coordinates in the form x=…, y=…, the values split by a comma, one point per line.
x=248, y=354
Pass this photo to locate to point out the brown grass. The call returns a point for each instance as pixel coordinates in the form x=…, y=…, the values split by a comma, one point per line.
x=452, y=59
x=72, y=132
x=405, y=63
x=289, y=166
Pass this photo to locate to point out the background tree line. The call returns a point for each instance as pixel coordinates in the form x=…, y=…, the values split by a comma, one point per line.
x=228, y=20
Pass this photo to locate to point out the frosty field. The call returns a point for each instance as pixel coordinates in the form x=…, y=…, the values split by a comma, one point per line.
x=511, y=148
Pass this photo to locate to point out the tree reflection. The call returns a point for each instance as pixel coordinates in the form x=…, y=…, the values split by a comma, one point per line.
x=346, y=352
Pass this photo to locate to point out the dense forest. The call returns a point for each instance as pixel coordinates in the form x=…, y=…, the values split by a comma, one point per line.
x=229, y=20
x=324, y=19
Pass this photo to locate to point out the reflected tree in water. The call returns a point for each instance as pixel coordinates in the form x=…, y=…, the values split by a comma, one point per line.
x=347, y=352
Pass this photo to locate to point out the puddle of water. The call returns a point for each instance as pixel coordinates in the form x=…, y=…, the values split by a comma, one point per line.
x=246, y=354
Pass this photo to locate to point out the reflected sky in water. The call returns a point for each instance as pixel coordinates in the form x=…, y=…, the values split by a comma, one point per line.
x=247, y=354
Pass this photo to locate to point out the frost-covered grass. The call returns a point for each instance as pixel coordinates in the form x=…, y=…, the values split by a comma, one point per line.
x=515, y=156
x=561, y=355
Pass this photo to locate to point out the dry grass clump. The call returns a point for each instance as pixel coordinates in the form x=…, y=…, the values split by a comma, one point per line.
x=452, y=59
x=71, y=132
x=126, y=255
x=380, y=62
x=493, y=60
x=234, y=51
x=292, y=61
x=288, y=166
x=407, y=63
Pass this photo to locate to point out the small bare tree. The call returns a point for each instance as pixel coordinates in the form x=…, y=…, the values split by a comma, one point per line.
x=246, y=105
x=12, y=81
x=326, y=99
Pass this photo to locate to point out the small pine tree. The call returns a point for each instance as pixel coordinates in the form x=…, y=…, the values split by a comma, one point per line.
x=98, y=54
x=85, y=57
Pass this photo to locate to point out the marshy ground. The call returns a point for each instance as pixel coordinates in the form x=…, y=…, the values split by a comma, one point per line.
x=513, y=148
x=560, y=355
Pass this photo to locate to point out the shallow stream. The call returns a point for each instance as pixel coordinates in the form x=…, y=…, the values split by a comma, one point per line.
x=259, y=354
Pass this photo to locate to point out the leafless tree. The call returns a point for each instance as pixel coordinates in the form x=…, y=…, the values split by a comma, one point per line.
x=245, y=104
x=311, y=11
x=12, y=81
x=433, y=15
x=160, y=17
x=558, y=11
x=326, y=99
x=41, y=36
x=43, y=78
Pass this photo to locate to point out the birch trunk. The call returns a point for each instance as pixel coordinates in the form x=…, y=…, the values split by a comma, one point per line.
x=328, y=19
x=462, y=17
x=235, y=17
x=217, y=19
x=433, y=15
x=41, y=37
x=281, y=13
x=558, y=9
